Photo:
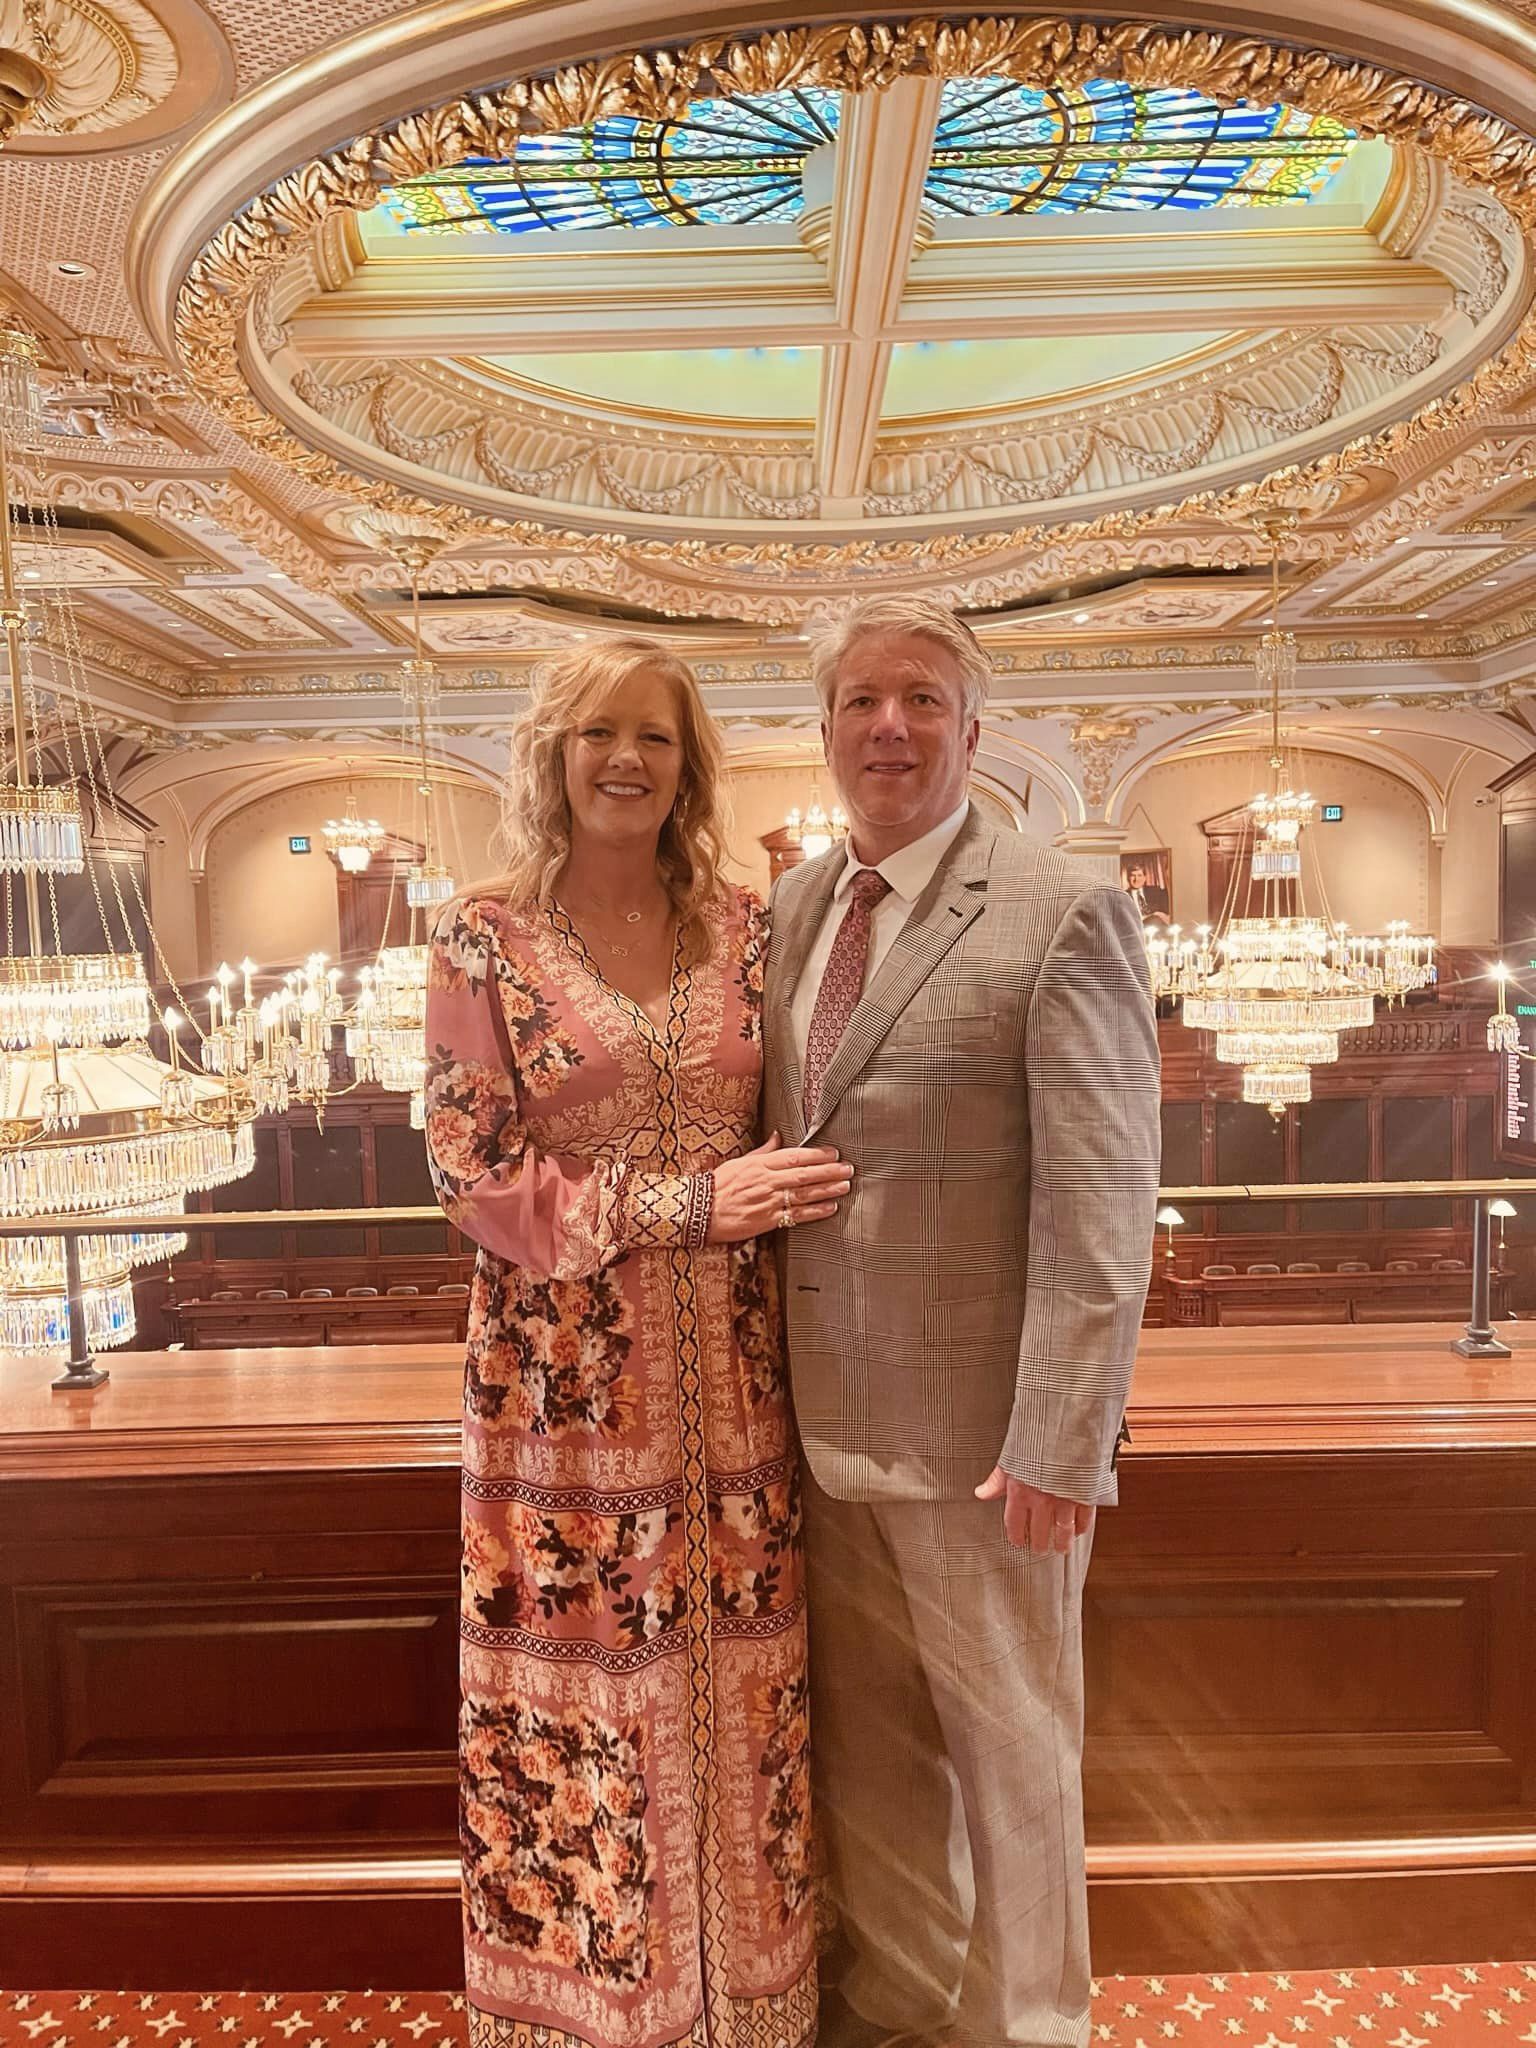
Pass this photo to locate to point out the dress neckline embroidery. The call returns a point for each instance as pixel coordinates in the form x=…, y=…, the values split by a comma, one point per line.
x=668, y=1035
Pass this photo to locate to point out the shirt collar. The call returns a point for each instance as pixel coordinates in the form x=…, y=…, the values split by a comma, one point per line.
x=911, y=868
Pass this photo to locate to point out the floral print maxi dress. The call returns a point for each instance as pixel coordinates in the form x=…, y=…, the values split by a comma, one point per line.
x=634, y=1779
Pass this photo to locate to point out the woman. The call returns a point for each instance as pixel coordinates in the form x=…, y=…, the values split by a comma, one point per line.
x=633, y=1771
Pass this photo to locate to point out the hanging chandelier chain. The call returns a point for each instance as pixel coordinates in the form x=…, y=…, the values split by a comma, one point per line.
x=82, y=774
x=15, y=641
x=99, y=776
x=1274, y=621
x=420, y=677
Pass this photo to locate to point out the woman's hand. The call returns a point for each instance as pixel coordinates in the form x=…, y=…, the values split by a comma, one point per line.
x=765, y=1189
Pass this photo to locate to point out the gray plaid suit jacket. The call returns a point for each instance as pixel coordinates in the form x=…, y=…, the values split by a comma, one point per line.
x=977, y=1298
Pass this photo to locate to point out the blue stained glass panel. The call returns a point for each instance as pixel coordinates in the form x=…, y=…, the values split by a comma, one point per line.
x=1109, y=147
x=999, y=148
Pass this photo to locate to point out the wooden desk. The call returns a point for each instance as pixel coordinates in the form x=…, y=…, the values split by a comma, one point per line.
x=342, y=1319
x=228, y=1687
x=1243, y=1300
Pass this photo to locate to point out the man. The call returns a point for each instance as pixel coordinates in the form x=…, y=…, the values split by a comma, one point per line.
x=965, y=1016
x=1149, y=896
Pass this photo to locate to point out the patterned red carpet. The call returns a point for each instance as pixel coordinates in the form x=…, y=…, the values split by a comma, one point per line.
x=1486, y=2005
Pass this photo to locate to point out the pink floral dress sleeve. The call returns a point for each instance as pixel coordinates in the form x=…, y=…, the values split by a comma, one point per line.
x=492, y=1044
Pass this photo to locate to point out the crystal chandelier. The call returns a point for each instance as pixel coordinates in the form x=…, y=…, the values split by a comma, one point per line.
x=353, y=840
x=1503, y=1029
x=816, y=832
x=92, y=1124
x=1278, y=989
x=386, y=1032
x=278, y=1048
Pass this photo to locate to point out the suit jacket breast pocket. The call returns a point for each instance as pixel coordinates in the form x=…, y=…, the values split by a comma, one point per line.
x=974, y=1032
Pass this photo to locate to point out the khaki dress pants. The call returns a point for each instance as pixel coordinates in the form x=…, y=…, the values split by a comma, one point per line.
x=947, y=1730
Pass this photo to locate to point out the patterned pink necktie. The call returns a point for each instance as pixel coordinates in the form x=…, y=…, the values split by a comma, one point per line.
x=841, y=985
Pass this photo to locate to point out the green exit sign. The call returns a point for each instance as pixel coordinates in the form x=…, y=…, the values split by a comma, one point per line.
x=1333, y=814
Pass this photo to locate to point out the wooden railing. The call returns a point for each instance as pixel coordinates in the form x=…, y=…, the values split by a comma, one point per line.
x=83, y=1372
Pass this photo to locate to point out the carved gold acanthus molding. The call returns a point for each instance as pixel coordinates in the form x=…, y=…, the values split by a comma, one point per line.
x=216, y=297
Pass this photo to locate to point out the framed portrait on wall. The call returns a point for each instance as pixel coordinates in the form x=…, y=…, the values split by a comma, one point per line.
x=1148, y=876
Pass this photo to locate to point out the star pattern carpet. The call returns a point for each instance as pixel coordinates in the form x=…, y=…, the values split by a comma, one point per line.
x=1472, y=2005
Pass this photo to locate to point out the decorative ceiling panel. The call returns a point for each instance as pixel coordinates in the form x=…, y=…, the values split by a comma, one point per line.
x=644, y=511
x=998, y=148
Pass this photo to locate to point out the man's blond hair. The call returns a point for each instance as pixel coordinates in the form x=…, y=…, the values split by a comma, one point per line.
x=923, y=616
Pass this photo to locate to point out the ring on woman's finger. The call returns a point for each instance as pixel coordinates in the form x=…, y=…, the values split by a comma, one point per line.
x=787, y=1215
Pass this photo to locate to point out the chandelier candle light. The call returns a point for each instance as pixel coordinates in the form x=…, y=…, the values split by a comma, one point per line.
x=279, y=1048
x=352, y=839
x=1278, y=989
x=282, y=1045
x=92, y=1125
x=816, y=832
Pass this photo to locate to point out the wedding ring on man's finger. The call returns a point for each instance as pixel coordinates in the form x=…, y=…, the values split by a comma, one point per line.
x=787, y=1215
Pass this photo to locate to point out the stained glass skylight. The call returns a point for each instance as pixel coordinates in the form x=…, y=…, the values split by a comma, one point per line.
x=730, y=162
x=1109, y=147
x=1000, y=148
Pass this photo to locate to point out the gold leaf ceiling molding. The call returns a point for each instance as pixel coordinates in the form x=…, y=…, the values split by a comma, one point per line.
x=107, y=62
x=109, y=490
x=1305, y=389
x=216, y=295
x=1288, y=388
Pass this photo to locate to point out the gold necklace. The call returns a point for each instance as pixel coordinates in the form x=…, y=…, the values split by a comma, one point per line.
x=622, y=952
x=630, y=917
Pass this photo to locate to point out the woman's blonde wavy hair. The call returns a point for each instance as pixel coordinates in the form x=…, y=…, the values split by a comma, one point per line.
x=536, y=812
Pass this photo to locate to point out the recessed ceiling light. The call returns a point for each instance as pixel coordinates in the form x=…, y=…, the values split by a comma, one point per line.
x=1374, y=731
x=32, y=575
x=1080, y=618
x=1489, y=582
x=70, y=266
x=1421, y=615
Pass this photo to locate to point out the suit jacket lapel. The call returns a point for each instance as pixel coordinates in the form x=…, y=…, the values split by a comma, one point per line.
x=950, y=905
x=789, y=947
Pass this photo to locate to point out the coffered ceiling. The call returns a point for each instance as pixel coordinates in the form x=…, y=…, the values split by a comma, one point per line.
x=637, y=323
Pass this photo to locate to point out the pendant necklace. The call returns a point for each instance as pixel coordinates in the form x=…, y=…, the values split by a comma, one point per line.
x=630, y=917
x=622, y=952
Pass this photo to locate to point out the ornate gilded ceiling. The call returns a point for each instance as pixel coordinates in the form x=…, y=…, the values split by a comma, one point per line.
x=654, y=323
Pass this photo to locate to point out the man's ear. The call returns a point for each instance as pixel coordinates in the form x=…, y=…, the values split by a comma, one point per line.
x=973, y=739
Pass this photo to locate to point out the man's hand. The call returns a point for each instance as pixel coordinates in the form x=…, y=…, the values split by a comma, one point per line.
x=1036, y=1521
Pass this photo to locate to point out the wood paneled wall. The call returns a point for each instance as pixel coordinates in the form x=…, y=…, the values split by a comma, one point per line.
x=227, y=1664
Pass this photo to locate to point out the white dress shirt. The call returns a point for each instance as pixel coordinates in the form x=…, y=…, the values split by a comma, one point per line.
x=909, y=870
